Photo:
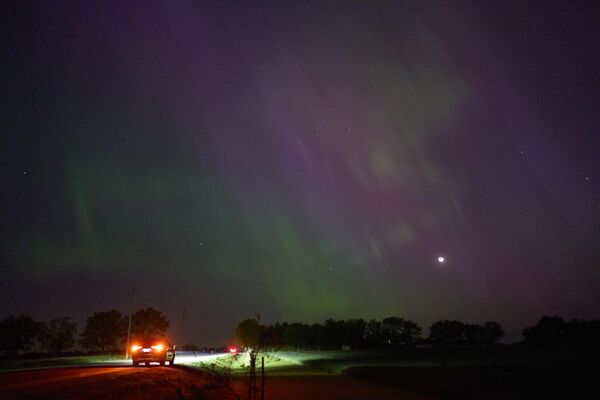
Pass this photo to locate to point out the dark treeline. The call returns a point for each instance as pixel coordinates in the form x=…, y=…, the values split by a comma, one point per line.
x=105, y=331
x=353, y=333
x=398, y=332
x=555, y=331
x=358, y=333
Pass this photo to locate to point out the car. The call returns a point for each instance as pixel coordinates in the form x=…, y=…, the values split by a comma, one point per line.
x=152, y=351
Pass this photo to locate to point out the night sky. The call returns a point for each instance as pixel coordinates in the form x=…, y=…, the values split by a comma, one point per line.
x=300, y=160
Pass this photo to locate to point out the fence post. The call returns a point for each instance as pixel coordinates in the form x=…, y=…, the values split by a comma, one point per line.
x=252, y=383
x=262, y=379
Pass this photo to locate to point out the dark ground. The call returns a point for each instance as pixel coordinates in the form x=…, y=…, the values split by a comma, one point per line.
x=550, y=382
x=502, y=373
x=181, y=383
x=109, y=383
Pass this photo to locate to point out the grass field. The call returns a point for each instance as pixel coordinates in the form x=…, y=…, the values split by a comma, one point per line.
x=464, y=373
x=504, y=372
x=276, y=364
x=23, y=363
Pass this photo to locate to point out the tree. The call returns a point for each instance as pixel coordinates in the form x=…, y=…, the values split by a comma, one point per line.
x=493, y=332
x=57, y=335
x=392, y=328
x=17, y=333
x=332, y=333
x=104, y=330
x=583, y=331
x=411, y=332
x=354, y=332
x=374, y=334
x=317, y=337
x=400, y=331
x=148, y=323
x=337, y=333
x=296, y=334
x=548, y=330
x=248, y=333
x=445, y=333
x=270, y=336
x=474, y=334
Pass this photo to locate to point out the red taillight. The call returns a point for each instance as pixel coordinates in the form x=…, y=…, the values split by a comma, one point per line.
x=135, y=348
x=233, y=349
x=158, y=347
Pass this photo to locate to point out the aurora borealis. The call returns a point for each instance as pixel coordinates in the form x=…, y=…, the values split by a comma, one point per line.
x=300, y=160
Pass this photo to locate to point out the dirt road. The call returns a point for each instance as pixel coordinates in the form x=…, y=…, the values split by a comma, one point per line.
x=102, y=382
x=121, y=382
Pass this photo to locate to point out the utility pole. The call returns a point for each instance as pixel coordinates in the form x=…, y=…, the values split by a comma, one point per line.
x=129, y=326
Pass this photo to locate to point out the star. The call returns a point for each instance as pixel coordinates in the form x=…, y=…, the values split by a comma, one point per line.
x=441, y=259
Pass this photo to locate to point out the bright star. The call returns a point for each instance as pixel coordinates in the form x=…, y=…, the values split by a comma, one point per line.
x=441, y=259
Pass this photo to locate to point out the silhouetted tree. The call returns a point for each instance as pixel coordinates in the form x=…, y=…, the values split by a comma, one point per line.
x=353, y=332
x=446, y=333
x=333, y=334
x=249, y=333
x=398, y=331
x=17, y=333
x=271, y=335
x=493, y=332
x=57, y=335
x=147, y=323
x=474, y=334
x=392, y=329
x=583, y=331
x=555, y=330
x=317, y=336
x=374, y=334
x=103, y=331
x=548, y=330
x=334, y=331
x=337, y=333
x=411, y=332
x=295, y=335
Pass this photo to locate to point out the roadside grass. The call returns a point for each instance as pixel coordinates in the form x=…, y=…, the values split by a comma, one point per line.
x=276, y=364
x=311, y=362
x=290, y=363
x=25, y=363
